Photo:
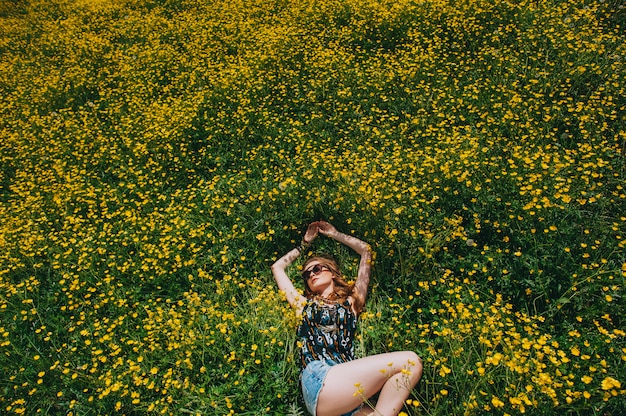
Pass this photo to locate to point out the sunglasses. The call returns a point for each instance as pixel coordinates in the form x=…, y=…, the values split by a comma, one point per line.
x=317, y=269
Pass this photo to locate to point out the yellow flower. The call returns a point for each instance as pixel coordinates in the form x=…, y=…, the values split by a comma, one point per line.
x=610, y=383
x=496, y=402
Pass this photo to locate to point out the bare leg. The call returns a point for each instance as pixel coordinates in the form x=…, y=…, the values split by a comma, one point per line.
x=347, y=385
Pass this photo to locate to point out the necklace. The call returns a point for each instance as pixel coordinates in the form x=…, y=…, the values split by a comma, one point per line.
x=329, y=300
x=328, y=316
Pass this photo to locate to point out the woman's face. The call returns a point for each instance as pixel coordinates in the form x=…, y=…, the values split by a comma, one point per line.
x=319, y=277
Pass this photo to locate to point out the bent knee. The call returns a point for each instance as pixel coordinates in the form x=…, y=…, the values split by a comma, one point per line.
x=415, y=363
x=412, y=358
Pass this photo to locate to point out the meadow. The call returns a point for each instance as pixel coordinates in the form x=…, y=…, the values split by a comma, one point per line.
x=156, y=156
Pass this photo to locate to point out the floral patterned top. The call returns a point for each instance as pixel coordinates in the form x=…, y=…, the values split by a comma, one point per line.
x=326, y=332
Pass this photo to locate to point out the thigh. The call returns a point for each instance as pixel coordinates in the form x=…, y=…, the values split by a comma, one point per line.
x=347, y=385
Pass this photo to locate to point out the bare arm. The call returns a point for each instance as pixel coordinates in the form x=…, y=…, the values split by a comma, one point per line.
x=283, y=281
x=365, y=265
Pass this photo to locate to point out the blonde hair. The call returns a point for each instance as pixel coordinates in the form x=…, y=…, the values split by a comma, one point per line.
x=343, y=289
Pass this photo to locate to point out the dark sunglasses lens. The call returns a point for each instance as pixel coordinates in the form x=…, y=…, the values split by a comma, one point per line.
x=315, y=269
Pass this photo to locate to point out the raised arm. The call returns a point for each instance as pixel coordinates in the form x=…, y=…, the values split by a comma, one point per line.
x=365, y=265
x=283, y=281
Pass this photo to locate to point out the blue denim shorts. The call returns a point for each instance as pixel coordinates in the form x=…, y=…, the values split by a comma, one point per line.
x=312, y=381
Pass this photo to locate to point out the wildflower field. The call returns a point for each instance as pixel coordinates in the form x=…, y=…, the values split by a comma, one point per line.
x=156, y=156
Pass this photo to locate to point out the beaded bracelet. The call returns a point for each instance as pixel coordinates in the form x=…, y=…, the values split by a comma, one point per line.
x=302, y=246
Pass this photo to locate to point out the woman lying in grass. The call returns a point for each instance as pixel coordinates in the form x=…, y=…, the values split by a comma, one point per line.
x=334, y=382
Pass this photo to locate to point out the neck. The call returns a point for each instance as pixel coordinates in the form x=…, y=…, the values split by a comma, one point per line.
x=328, y=293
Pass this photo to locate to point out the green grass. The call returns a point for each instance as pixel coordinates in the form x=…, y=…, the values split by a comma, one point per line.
x=158, y=156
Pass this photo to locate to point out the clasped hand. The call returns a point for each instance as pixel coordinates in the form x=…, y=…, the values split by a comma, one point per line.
x=319, y=227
